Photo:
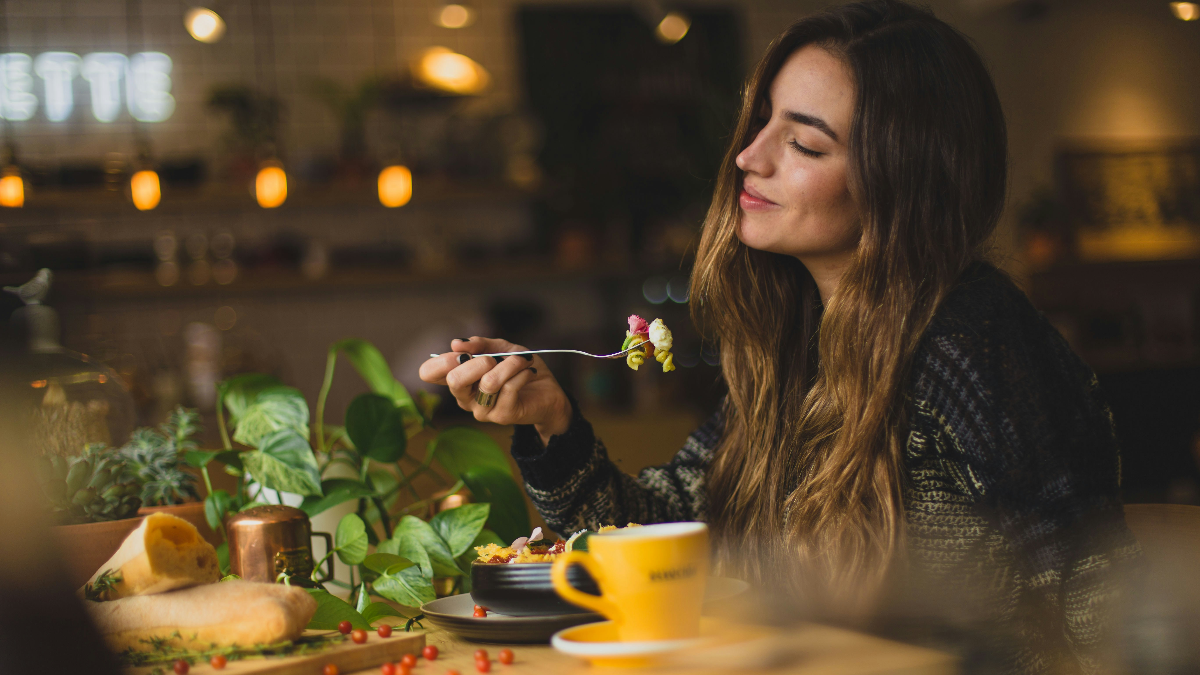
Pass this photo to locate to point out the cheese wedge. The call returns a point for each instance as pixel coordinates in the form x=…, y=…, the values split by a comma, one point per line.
x=164, y=553
x=241, y=613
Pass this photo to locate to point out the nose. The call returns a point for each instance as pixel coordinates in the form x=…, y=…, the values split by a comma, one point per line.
x=754, y=158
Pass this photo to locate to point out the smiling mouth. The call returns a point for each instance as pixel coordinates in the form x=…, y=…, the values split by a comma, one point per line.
x=751, y=200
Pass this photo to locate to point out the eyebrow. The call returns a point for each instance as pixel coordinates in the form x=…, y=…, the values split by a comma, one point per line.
x=809, y=120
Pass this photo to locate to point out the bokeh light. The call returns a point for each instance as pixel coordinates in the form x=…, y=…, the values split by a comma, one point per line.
x=12, y=190
x=672, y=28
x=395, y=186
x=204, y=24
x=145, y=190
x=1185, y=11
x=443, y=69
x=454, y=15
x=270, y=186
x=654, y=290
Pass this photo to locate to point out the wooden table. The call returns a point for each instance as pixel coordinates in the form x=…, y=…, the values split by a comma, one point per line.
x=813, y=650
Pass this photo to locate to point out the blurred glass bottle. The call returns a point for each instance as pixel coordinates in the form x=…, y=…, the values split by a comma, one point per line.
x=74, y=400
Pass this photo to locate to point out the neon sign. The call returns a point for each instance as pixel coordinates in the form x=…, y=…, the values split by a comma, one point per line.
x=146, y=75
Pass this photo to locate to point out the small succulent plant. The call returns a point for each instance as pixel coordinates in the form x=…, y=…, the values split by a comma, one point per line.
x=90, y=488
x=154, y=459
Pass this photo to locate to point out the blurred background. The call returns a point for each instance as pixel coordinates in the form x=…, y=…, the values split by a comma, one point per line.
x=233, y=187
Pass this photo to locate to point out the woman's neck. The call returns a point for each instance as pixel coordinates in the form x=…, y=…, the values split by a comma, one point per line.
x=827, y=272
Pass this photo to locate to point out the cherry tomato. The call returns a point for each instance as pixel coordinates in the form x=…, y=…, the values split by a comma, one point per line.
x=453, y=672
x=384, y=631
x=506, y=656
x=359, y=636
x=480, y=613
x=430, y=652
x=331, y=668
x=345, y=627
x=218, y=661
x=482, y=665
x=403, y=669
x=387, y=669
x=180, y=667
x=481, y=654
x=409, y=660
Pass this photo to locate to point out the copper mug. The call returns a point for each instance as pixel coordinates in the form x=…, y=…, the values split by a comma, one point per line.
x=267, y=541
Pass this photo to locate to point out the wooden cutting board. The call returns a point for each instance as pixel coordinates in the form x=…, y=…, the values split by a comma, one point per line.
x=347, y=656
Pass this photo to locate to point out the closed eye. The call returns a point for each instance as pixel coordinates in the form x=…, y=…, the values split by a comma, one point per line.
x=803, y=150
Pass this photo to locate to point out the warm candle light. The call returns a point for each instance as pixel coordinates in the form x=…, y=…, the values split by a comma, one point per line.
x=204, y=24
x=270, y=186
x=672, y=28
x=12, y=189
x=443, y=69
x=1186, y=11
x=145, y=190
x=395, y=186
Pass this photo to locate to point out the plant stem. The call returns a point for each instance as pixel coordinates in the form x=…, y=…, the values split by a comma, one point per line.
x=207, y=482
x=330, y=362
x=221, y=423
x=383, y=516
x=278, y=497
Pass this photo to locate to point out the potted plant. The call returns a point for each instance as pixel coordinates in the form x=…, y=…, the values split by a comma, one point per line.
x=273, y=447
x=155, y=458
x=94, y=500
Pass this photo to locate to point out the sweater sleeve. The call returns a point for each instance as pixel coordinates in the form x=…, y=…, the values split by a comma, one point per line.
x=574, y=485
x=1031, y=438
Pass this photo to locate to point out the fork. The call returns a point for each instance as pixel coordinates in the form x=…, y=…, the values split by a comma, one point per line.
x=614, y=355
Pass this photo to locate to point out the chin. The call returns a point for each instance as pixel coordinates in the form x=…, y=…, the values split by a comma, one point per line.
x=757, y=236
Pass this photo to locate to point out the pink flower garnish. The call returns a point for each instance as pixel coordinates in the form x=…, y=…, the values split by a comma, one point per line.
x=519, y=544
x=638, y=325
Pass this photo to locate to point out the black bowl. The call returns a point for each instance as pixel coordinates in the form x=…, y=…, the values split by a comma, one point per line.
x=524, y=589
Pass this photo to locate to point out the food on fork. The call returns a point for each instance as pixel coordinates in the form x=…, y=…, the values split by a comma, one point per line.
x=653, y=340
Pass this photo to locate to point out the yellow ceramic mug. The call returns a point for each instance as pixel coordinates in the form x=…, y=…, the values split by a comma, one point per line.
x=651, y=579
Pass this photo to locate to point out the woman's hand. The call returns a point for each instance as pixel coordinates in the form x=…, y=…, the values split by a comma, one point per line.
x=528, y=393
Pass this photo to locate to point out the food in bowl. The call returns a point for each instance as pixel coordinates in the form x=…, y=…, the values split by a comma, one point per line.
x=535, y=549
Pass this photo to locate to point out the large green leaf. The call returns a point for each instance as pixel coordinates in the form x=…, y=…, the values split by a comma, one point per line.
x=440, y=558
x=285, y=462
x=240, y=391
x=336, y=491
x=200, y=458
x=376, y=428
x=387, y=563
x=463, y=448
x=216, y=505
x=374, y=369
x=410, y=548
x=332, y=610
x=350, y=540
x=409, y=587
x=458, y=527
x=377, y=610
x=509, y=517
x=274, y=409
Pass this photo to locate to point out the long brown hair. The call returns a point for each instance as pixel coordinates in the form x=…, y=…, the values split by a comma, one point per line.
x=815, y=431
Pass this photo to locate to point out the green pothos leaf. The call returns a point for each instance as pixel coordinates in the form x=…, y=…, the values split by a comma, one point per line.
x=351, y=540
x=409, y=587
x=332, y=610
x=285, y=462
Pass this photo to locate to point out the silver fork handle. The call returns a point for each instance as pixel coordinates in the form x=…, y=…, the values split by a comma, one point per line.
x=554, y=351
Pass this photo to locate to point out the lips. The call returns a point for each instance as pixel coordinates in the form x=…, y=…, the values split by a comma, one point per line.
x=752, y=200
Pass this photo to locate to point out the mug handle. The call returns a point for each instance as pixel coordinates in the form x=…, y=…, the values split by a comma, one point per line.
x=328, y=547
x=558, y=576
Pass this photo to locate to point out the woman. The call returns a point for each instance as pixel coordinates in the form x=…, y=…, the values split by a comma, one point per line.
x=897, y=410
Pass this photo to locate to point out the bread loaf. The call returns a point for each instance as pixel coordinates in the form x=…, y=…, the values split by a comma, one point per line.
x=241, y=613
x=162, y=554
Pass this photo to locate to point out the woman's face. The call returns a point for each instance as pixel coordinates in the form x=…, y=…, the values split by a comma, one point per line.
x=794, y=197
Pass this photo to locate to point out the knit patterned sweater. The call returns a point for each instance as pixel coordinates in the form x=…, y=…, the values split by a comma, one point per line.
x=1012, y=504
